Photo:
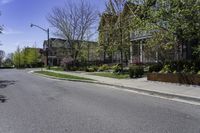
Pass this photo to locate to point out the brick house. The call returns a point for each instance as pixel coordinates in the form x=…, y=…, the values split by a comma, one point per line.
x=59, y=49
x=136, y=38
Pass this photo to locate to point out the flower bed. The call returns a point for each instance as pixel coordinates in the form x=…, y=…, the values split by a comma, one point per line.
x=193, y=79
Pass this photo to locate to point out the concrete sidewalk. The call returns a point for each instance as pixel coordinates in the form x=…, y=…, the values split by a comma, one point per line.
x=184, y=92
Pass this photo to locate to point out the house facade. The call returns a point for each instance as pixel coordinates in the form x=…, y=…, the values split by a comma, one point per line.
x=123, y=30
x=59, y=49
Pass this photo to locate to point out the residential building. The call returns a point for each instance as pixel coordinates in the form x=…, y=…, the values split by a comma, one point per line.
x=120, y=33
x=59, y=49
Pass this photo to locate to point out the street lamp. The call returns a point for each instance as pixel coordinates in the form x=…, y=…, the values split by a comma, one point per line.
x=47, y=31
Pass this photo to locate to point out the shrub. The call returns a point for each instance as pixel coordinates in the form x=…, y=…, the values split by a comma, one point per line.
x=91, y=69
x=95, y=68
x=155, y=68
x=117, y=68
x=104, y=68
x=191, y=67
x=166, y=69
x=72, y=68
x=198, y=73
x=186, y=68
x=136, y=71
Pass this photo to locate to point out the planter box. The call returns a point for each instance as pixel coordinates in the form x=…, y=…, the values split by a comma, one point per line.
x=192, y=79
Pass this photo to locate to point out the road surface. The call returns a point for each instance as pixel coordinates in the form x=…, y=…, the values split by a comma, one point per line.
x=34, y=104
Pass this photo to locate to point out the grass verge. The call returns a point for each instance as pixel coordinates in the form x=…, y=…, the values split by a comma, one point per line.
x=64, y=76
x=111, y=75
x=56, y=69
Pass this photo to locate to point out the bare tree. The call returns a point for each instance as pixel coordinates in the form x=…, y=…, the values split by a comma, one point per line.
x=73, y=22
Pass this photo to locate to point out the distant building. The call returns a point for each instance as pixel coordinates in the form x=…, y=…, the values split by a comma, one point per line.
x=60, y=49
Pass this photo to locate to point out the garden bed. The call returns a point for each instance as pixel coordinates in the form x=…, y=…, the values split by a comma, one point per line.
x=192, y=79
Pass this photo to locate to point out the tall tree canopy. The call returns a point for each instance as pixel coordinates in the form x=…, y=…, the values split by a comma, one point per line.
x=74, y=22
x=175, y=23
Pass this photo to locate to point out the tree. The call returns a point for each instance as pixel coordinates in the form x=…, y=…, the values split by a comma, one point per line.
x=18, y=58
x=175, y=23
x=73, y=22
x=117, y=29
x=31, y=56
x=115, y=6
x=2, y=55
x=8, y=62
x=106, y=34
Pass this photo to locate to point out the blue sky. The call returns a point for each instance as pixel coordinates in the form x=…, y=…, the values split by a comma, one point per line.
x=17, y=15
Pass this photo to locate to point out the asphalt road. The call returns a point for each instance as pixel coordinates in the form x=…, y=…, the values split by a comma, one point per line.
x=33, y=104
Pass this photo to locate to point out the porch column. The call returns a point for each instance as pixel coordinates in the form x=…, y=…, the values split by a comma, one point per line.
x=141, y=51
x=131, y=53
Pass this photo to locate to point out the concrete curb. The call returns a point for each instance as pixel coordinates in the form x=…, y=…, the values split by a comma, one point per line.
x=75, y=80
x=149, y=92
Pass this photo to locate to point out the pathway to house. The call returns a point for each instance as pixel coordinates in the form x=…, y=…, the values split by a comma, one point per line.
x=142, y=85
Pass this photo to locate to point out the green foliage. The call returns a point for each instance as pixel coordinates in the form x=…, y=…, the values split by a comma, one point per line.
x=31, y=56
x=71, y=68
x=166, y=69
x=57, y=68
x=27, y=57
x=8, y=63
x=58, y=75
x=191, y=67
x=198, y=73
x=136, y=71
x=18, y=59
x=117, y=68
x=91, y=69
x=104, y=68
x=172, y=23
x=155, y=68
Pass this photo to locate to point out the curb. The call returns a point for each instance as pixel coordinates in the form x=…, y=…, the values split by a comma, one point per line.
x=161, y=94
x=149, y=92
x=74, y=80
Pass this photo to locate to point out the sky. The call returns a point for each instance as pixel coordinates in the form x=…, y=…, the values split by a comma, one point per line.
x=17, y=15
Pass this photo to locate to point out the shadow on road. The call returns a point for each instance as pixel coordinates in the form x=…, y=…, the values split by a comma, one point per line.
x=5, y=83
x=3, y=99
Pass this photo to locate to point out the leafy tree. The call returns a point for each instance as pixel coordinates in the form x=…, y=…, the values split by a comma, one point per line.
x=31, y=56
x=174, y=23
x=18, y=59
x=114, y=31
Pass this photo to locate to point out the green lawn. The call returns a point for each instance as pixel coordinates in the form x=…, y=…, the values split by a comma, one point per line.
x=111, y=75
x=56, y=69
x=58, y=75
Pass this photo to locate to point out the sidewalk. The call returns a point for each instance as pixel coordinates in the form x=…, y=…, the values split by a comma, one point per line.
x=185, y=92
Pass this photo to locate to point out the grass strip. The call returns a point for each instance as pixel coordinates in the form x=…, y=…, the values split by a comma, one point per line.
x=111, y=75
x=59, y=75
x=56, y=69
